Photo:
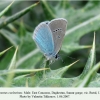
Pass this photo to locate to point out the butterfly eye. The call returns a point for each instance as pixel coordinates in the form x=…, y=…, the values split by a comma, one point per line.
x=56, y=56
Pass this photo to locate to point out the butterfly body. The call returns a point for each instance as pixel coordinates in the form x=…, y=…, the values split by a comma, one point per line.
x=48, y=37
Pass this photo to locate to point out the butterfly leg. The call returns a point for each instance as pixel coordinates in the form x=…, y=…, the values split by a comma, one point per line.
x=57, y=57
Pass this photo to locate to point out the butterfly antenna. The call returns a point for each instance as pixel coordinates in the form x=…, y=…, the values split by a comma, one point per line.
x=68, y=56
x=61, y=59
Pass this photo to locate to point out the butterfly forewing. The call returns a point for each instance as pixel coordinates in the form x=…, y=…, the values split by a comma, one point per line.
x=58, y=28
x=43, y=38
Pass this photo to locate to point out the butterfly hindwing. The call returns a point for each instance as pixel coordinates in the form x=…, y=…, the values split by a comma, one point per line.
x=58, y=28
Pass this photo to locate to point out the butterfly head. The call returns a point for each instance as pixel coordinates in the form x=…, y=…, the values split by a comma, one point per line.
x=52, y=57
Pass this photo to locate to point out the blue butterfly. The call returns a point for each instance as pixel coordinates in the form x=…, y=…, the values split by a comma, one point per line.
x=48, y=37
